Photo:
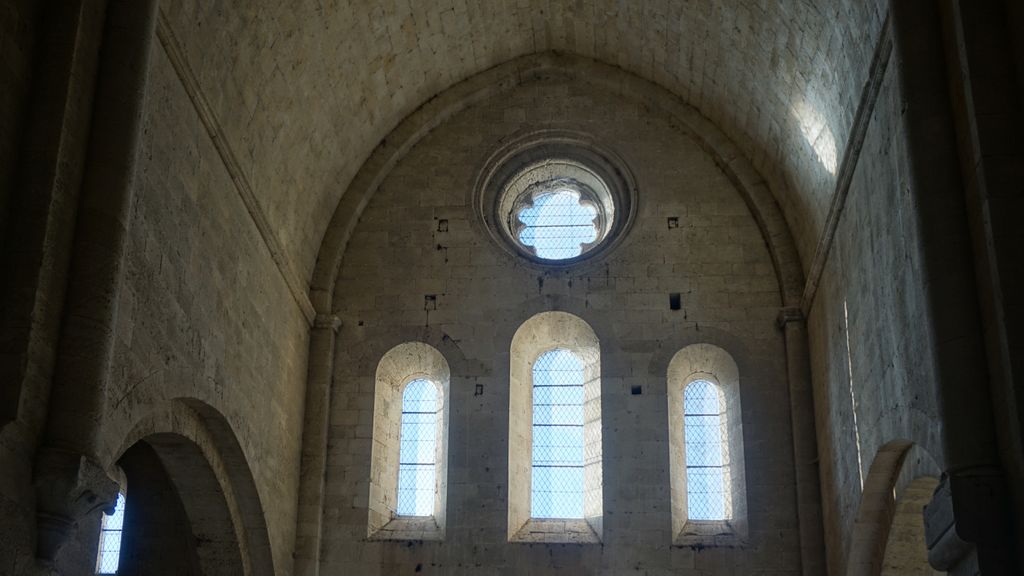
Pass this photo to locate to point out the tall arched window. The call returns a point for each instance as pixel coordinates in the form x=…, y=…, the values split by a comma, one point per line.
x=706, y=448
x=108, y=557
x=417, y=461
x=707, y=454
x=555, y=480
x=557, y=475
x=409, y=457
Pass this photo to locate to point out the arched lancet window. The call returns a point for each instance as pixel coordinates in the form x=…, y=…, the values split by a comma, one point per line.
x=706, y=448
x=555, y=477
x=707, y=454
x=108, y=558
x=409, y=462
x=417, y=461
x=557, y=474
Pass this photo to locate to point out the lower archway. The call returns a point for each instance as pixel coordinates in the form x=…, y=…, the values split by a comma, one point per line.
x=187, y=448
x=888, y=535
x=906, y=553
x=177, y=520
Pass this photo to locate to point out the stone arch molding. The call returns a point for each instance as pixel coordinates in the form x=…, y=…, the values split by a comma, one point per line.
x=201, y=453
x=888, y=533
x=749, y=183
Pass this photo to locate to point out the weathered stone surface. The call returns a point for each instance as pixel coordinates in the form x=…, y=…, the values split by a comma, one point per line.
x=716, y=259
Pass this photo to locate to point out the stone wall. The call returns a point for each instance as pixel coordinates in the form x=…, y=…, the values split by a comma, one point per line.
x=204, y=313
x=716, y=259
x=871, y=358
x=17, y=39
x=780, y=79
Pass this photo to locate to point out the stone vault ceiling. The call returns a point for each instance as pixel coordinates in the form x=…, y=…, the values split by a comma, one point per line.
x=305, y=89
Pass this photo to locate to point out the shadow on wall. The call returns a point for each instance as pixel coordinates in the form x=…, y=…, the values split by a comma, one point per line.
x=192, y=505
x=888, y=535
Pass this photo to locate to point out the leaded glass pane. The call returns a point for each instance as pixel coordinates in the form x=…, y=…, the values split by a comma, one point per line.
x=418, y=449
x=108, y=557
x=557, y=225
x=706, y=454
x=557, y=473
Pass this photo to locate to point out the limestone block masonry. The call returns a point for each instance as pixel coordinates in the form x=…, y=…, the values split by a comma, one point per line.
x=404, y=278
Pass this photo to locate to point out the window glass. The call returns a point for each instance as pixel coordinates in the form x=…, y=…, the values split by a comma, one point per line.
x=418, y=449
x=109, y=556
x=557, y=225
x=557, y=467
x=706, y=453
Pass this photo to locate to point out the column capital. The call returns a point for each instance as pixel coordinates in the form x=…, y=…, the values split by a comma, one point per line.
x=789, y=314
x=327, y=321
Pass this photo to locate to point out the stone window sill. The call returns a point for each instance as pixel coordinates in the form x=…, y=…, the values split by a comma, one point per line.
x=711, y=533
x=410, y=528
x=556, y=532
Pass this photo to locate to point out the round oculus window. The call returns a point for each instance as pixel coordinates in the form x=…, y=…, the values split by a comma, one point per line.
x=555, y=198
x=556, y=209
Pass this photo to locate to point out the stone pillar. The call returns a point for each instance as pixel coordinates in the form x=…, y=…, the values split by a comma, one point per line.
x=987, y=105
x=70, y=482
x=975, y=482
x=805, y=445
x=314, y=445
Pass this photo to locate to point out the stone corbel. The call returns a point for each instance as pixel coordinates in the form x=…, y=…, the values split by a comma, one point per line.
x=788, y=314
x=69, y=487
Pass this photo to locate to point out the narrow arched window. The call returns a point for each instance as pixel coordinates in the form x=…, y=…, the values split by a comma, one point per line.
x=409, y=456
x=708, y=480
x=555, y=486
x=108, y=558
x=707, y=452
x=417, y=464
x=557, y=463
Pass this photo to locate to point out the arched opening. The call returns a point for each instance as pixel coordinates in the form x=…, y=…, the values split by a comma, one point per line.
x=177, y=522
x=888, y=536
x=184, y=459
x=409, y=457
x=707, y=471
x=555, y=438
x=906, y=551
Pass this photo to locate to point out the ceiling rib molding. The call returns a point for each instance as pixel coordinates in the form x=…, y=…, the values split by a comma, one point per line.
x=851, y=157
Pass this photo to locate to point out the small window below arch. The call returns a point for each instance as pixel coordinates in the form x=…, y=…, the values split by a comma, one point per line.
x=417, y=461
x=108, y=558
x=409, y=455
x=706, y=448
x=555, y=479
x=557, y=473
x=707, y=454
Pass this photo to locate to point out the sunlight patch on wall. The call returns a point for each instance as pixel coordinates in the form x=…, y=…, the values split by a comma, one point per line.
x=853, y=396
x=817, y=133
